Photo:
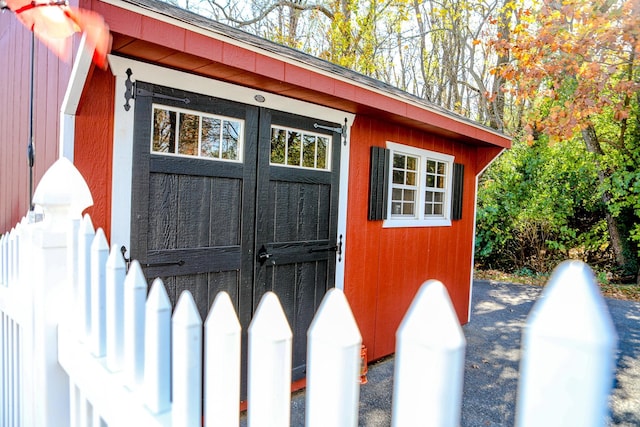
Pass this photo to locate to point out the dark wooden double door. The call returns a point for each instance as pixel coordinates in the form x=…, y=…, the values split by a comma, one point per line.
x=245, y=226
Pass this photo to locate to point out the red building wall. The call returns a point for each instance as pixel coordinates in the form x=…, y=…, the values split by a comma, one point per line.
x=386, y=266
x=93, y=150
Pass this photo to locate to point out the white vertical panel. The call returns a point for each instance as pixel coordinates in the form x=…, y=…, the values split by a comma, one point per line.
x=429, y=365
x=116, y=272
x=222, y=364
x=333, y=364
x=12, y=269
x=99, y=255
x=3, y=259
x=10, y=378
x=74, y=405
x=85, y=238
x=73, y=273
x=186, y=364
x=269, y=388
x=157, y=350
x=568, y=358
x=135, y=294
x=3, y=370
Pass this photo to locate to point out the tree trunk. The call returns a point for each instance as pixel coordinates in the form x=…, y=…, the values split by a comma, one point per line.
x=593, y=146
x=497, y=104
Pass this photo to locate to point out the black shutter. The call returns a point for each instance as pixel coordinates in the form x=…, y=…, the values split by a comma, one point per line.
x=378, y=183
x=456, y=194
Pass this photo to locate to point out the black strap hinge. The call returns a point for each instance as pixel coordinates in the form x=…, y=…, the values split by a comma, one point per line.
x=341, y=130
x=144, y=92
x=132, y=91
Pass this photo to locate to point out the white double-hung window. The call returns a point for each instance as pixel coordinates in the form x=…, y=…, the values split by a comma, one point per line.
x=420, y=187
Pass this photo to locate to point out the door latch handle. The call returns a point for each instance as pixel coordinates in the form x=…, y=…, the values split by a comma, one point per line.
x=263, y=255
x=337, y=248
x=329, y=248
x=123, y=251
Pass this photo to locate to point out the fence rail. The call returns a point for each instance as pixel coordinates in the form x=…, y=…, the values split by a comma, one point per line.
x=83, y=344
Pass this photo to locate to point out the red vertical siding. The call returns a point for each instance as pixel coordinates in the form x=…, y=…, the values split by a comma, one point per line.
x=13, y=121
x=385, y=267
x=50, y=82
x=93, y=150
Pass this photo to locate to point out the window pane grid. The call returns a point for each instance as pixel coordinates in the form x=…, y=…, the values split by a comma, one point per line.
x=435, y=193
x=195, y=134
x=298, y=148
x=404, y=186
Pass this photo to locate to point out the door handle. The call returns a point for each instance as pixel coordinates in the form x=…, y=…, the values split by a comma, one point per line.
x=123, y=251
x=263, y=255
x=163, y=264
x=337, y=248
x=329, y=248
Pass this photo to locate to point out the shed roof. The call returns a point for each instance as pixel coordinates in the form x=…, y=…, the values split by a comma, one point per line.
x=161, y=33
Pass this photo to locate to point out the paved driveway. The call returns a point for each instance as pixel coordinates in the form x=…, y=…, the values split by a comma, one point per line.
x=493, y=357
x=492, y=361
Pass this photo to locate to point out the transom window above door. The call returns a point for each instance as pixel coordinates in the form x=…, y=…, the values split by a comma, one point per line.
x=189, y=133
x=298, y=148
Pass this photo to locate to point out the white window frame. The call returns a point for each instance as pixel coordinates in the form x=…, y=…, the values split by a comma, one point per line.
x=302, y=132
x=419, y=219
x=202, y=115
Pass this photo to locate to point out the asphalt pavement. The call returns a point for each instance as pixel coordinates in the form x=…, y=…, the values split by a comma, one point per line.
x=492, y=360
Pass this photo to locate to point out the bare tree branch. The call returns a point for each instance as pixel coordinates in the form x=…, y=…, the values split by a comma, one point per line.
x=263, y=13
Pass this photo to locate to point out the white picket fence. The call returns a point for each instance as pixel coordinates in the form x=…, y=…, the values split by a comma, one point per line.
x=84, y=345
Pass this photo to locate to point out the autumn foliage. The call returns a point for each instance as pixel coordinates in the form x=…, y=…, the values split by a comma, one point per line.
x=573, y=69
x=571, y=60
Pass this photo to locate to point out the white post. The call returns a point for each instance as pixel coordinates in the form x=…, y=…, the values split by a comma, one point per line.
x=62, y=194
x=269, y=377
x=116, y=271
x=429, y=365
x=135, y=294
x=333, y=364
x=157, y=350
x=222, y=364
x=186, y=365
x=99, y=255
x=568, y=357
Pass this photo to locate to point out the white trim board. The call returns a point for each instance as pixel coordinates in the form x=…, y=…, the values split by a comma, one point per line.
x=123, y=135
x=71, y=99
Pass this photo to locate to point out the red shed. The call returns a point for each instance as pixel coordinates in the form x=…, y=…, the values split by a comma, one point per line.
x=222, y=161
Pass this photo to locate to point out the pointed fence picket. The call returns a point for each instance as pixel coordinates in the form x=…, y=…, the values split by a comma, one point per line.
x=99, y=253
x=430, y=348
x=567, y=364
x=222, y=370
x=83, y=344
x=115, y=276
x=85, y=238
x=135, y=294
x=333, y=360
x=186, y=363
x=157, y=349
x=269, y=377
